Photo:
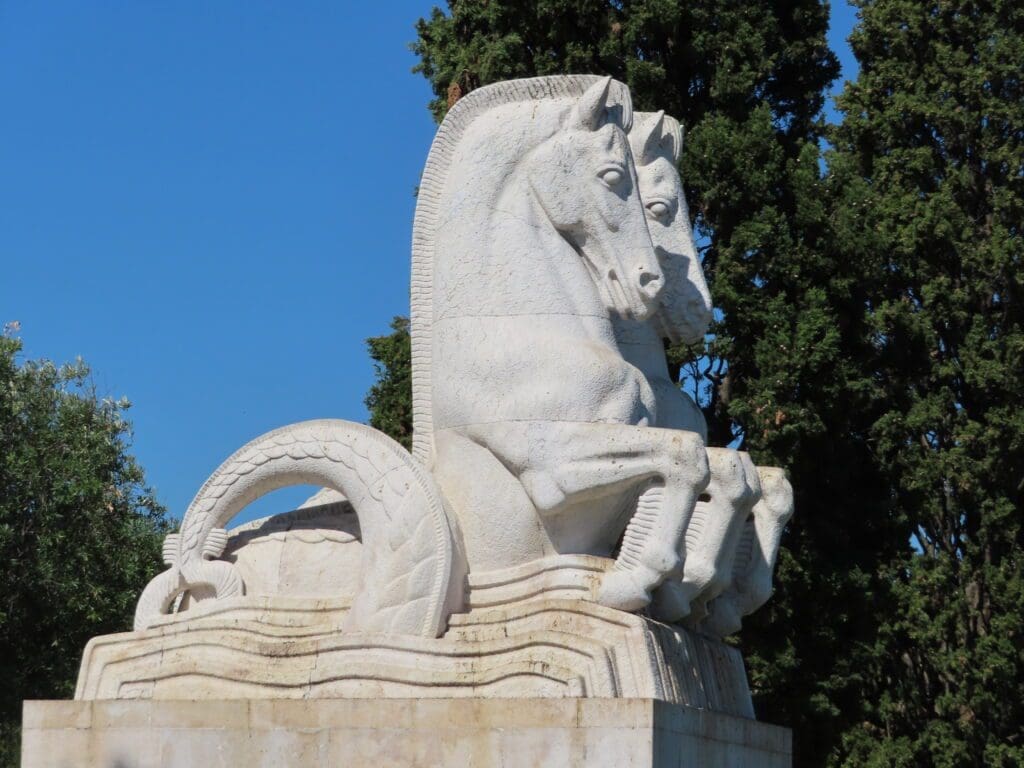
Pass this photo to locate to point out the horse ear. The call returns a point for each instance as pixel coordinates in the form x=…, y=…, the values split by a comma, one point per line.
x=652, y=142
x=589, y=112
x=665, y=135
x=673, y=131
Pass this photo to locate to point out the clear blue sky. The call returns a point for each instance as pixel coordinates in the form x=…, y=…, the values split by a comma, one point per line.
x=211, y=203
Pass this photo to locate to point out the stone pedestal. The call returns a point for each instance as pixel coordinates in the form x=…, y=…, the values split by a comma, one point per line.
x=589, y=733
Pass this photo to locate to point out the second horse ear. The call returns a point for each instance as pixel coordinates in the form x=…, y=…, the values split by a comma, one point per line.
x=664, y=136
x=672, y=131
x=591, y=110
x=651, y=143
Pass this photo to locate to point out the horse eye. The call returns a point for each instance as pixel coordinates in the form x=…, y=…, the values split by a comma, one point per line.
x=659, y=209
x=611, y=176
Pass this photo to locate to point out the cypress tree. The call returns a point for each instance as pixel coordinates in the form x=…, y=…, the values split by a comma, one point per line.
x=929, y=170
x=390, y=398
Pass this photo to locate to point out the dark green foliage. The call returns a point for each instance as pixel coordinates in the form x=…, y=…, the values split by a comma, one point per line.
x=929, y=163
x=80, y=534
x=390, y=398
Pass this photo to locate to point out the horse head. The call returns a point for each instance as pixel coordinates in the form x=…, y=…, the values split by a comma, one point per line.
x=585, y=181
x=685, y=311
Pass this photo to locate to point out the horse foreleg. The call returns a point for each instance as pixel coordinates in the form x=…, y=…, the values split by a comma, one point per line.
x=563, y=464
x=712, y=536
x=751, y=584
x=645, y=559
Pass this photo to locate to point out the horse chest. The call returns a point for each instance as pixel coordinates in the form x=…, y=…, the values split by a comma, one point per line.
x=622, y=394
x=604, y=385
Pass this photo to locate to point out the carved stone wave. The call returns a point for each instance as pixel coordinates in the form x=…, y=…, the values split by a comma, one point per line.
x=535, y=643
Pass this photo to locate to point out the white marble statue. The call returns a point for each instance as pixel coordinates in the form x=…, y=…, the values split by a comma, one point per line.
x=534, y=246
x=560, y=510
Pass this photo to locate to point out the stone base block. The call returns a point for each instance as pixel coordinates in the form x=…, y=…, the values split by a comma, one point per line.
x=589, y=733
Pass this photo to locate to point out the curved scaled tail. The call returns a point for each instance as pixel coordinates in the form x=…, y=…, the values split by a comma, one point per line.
x=407, y=575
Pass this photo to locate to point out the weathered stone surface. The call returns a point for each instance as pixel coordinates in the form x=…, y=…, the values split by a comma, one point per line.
x=409, y=583
x=530, y=631
x=311, y=552
x=427, y=733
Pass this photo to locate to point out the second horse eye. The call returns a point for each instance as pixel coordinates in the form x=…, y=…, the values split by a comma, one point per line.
x=658, y=208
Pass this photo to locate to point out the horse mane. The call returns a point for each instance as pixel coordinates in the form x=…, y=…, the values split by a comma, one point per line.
x=428, y=202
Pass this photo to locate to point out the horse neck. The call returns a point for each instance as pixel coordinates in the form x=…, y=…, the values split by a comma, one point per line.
x=515, y=263
x=641, y=346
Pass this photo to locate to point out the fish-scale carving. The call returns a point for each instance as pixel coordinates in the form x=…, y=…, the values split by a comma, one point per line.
x=407, y=537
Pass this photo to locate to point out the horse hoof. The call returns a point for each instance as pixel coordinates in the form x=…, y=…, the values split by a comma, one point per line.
x=670, y=602
x=620, y=590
